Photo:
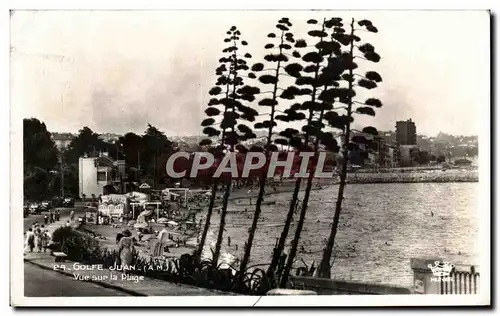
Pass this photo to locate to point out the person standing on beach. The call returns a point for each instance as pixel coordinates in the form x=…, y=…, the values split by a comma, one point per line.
x=72, y=215
x=161, y=242
x=229, y=241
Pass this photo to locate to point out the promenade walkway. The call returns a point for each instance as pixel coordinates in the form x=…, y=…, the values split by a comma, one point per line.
x=131, y=284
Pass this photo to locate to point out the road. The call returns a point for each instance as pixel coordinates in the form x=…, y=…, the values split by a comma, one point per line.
x=40, y=282
x=64, y=211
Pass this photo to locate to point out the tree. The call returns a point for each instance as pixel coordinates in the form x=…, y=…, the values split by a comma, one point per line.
x=40, y=158
x=368, y=81
x=423, y=158
x=86, y=142
x=441, y=159
x=132, y=145
x=273, y=79
x=155, y=143
x=231, y=72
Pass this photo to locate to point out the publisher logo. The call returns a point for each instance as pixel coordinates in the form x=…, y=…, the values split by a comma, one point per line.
x=441, y=271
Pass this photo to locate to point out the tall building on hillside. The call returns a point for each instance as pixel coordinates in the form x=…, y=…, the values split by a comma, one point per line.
x=109, y=137
x=406, y=133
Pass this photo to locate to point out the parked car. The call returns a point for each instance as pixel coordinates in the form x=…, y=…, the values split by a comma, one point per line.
x=68, y=202
x=34, y=208
x=45, y=206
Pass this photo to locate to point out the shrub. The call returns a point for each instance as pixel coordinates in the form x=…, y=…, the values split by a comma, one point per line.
x=78, y=246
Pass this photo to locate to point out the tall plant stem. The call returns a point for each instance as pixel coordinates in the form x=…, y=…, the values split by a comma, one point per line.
x=199, y=251
x=284, y=233
x=212, y=199
x=300, y=224
x=227, y=191
x=324, y=269
x=222, y=224
x=262, y=182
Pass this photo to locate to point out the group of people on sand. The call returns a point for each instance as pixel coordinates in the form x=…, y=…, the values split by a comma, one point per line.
x=126, y=244
x=37, y=236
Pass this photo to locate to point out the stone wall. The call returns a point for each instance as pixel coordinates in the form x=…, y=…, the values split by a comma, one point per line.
x=334, y=287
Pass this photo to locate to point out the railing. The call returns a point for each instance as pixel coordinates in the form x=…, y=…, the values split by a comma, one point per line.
x=460, y=282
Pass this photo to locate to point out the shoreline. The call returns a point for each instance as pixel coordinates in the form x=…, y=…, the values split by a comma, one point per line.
x=237, y=223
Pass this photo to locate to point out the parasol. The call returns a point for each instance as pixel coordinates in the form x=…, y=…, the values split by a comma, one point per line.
x=172, y=223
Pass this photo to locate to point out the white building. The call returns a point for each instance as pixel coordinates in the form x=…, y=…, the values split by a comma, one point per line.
x=99, y=175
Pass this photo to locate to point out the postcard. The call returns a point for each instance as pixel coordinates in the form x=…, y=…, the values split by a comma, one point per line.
x=250, y=158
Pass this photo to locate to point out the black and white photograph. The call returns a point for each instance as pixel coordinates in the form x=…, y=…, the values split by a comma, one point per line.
x=250, y=156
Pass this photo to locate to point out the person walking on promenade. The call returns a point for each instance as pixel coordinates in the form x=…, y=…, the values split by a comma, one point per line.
x=45, y=240
x=72, y=215
x=45, y=219
x=38, y=239
x=126, y=249
x=51, y=216
x=30, y=240
x=58, y=215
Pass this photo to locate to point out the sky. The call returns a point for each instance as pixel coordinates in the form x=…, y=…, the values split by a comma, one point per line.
x=117, y=71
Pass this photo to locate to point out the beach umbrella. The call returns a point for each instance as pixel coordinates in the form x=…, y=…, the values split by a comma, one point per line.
x=131, y=222
x=172, y=223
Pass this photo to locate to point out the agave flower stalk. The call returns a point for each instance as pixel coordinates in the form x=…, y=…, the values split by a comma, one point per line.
x=324, y=76
x=236, y=111
x=369, y=82
x=280, y=58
